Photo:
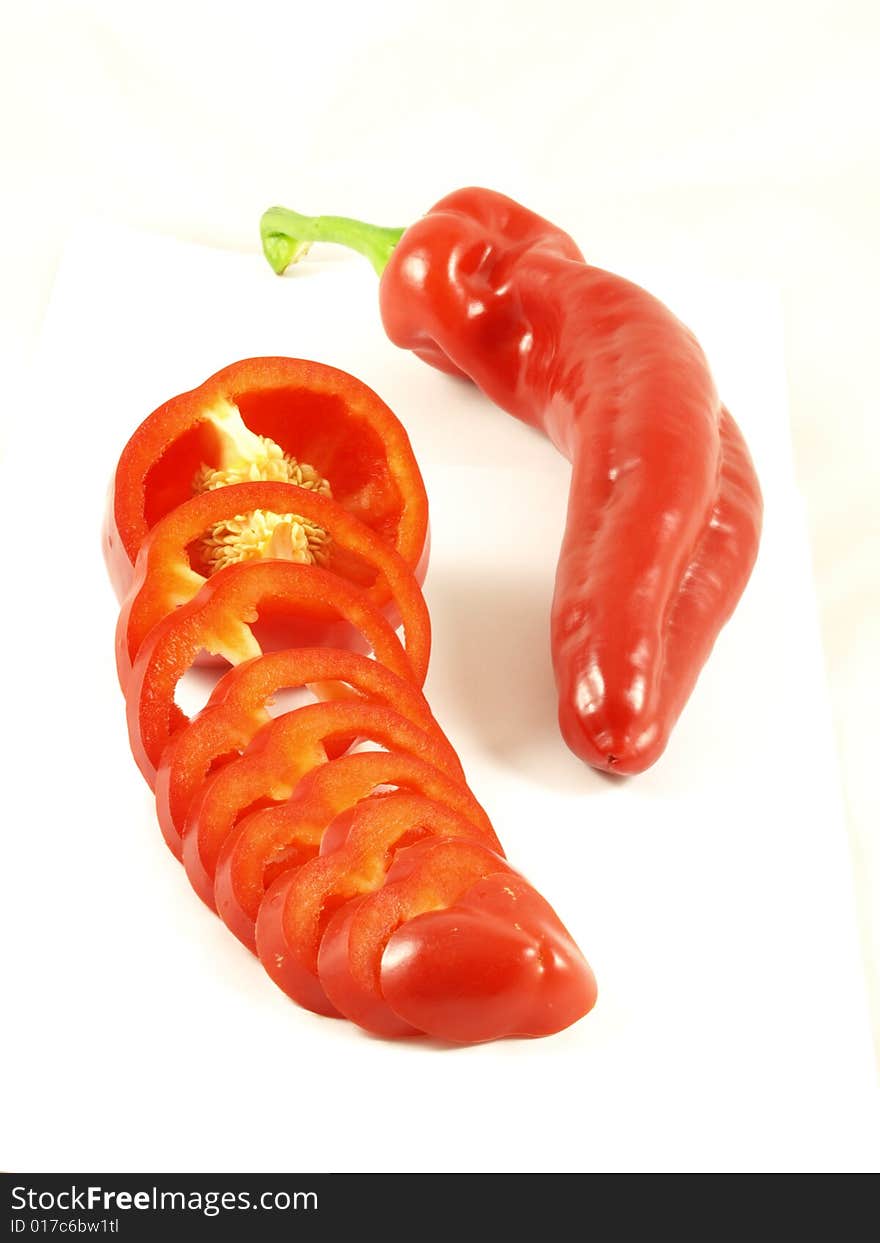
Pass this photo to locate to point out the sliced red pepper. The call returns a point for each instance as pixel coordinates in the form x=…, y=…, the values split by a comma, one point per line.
x=455, y=945
x=497, y=963
x=218, y=620
x=276, y=824
x=238, y=708
x=297, y=908
x=274, y=839
x=279, y=756
x=165, y=576
x=315, y=414
x=427, y=876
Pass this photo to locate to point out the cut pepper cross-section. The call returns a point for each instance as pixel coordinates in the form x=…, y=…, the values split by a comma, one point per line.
x=270, y=841
x=306, y=897
x=273, y=419
x=239, y=707
x=219, y=620
x=248, y=458
x=280, y=755
x=166, y=577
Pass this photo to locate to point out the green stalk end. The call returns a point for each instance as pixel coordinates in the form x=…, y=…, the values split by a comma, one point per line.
x=281, y=245
x=286, y=236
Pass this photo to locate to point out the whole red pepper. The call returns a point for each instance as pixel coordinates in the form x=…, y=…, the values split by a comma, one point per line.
x=665, y=509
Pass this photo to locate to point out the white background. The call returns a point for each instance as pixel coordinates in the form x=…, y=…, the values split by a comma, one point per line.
x=679, y=137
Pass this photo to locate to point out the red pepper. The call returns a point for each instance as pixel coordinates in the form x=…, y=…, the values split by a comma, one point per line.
x=665, y=509
x=276, y=419
x=165, y=577
x=274, y=839
x=284, y=834
x=238, y=708
x=219, y=619
x=292, y=919
x=280, y=755
x=455, y=944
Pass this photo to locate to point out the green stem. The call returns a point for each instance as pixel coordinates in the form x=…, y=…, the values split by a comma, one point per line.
x=286, y=236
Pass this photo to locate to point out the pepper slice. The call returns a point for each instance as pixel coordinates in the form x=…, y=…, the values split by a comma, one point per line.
x=274, y=839
x=297, y=908
x=269, y=418
x=238, y=708
x=427, y=876
x=165, y=576
x=282, y=753
x=497, y=963
x=219, y=619
x=456, y=945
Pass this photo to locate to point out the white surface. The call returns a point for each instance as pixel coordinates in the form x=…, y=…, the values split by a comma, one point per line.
x=732, y=140
x=712, y=895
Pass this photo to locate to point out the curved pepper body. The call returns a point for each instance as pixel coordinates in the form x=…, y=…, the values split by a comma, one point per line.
x=665, y=509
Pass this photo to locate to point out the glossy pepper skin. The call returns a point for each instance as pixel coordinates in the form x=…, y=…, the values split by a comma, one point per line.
x=665, y=509
x=455, y=943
